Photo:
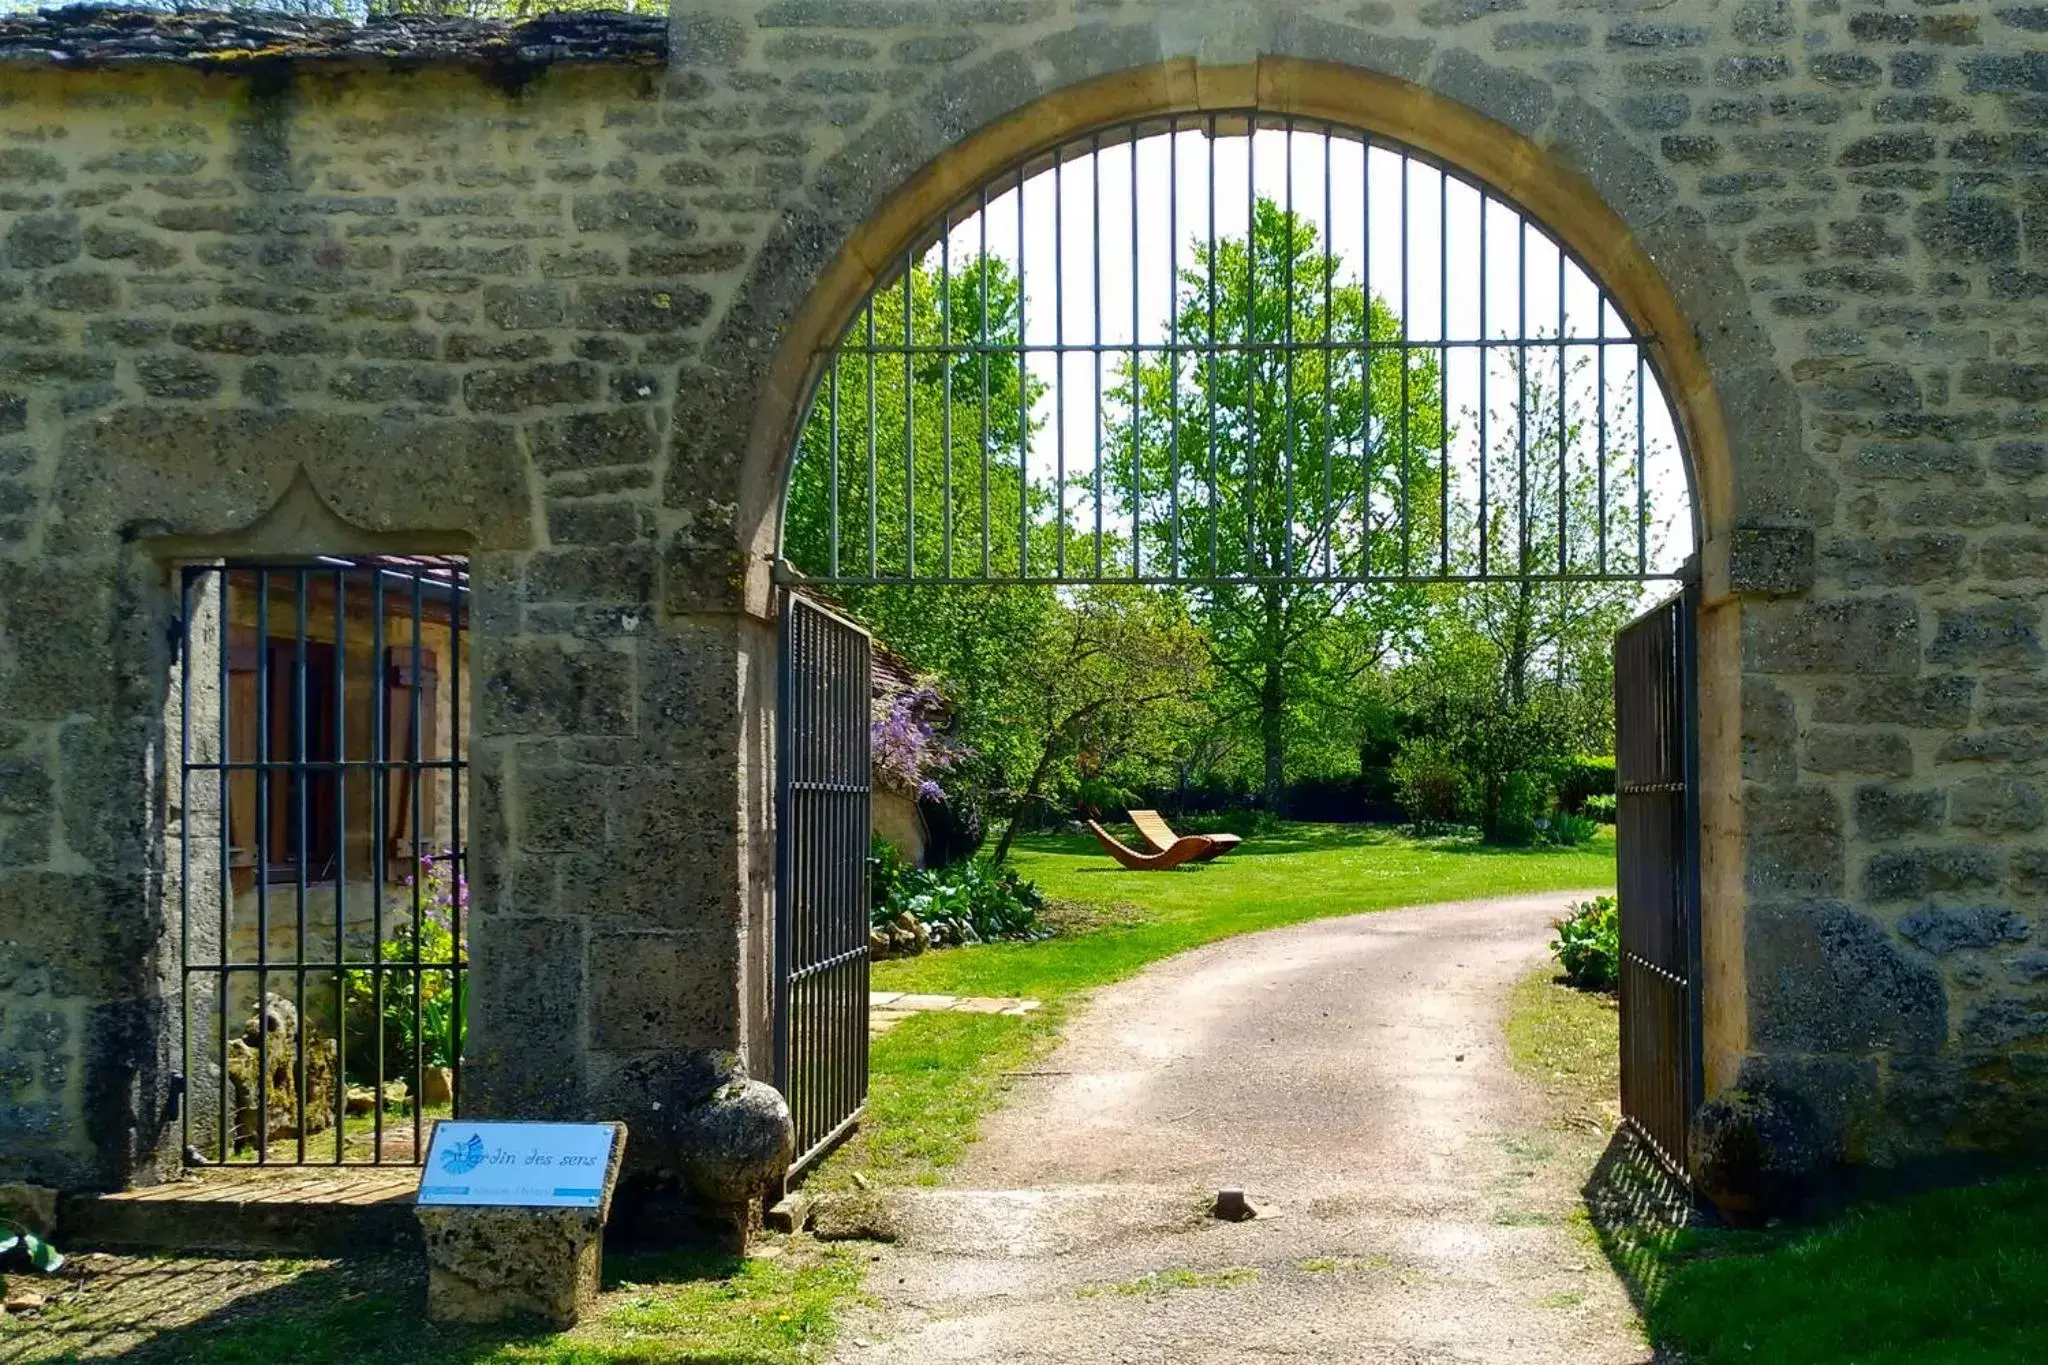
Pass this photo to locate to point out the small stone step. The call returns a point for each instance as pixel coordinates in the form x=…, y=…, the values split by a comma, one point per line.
x=310, y=1212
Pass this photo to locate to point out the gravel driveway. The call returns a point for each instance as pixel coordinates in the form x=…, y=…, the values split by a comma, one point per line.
x=1352, y=1077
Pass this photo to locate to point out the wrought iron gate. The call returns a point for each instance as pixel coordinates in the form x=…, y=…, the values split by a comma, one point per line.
x=316, y=836
x=1657, y=825
x=821, y=876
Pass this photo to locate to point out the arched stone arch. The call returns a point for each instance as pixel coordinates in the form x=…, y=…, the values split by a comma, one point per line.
x=1553, y=153
x=1556, y=158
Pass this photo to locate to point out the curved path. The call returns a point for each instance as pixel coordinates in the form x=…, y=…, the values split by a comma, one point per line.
x=1352, y=1077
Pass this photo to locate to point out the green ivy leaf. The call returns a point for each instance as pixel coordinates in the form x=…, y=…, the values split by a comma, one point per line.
x=41, y=1254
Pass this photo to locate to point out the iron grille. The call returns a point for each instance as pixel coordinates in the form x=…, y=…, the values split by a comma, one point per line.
x=821, y=938
x=318, y=856
x=1657, y=823
x=1235, y=348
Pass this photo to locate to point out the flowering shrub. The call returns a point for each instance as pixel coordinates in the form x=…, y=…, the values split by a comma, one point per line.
x=971, y=902
x=908, y=746
x=1588, y=944
x=443, y=1001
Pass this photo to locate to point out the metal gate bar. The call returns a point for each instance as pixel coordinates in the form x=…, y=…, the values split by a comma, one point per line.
x=319, y=860
x=1132, y=503
x=821, y=903
x=1657, y=824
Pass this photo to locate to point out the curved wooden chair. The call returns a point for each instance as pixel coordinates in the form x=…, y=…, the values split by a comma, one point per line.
x=1194, y=848
x=1159, y=836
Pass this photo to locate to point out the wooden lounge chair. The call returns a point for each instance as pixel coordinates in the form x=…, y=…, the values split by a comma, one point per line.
x=1194, y=848
x=1159, y=836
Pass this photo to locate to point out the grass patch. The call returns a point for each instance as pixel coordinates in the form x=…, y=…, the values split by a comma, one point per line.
x=1952, y=1277
x=931, y=1078
x=1298, y=873
x=1336, y=1265
x=1568, y=1041
x=1156, y=1283
x=707, y=1308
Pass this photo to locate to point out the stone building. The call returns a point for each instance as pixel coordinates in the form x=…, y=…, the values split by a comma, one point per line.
x=550, y=297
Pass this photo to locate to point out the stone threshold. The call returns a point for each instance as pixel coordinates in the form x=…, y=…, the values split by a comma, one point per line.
x=306, y=1210
x=887, y=1009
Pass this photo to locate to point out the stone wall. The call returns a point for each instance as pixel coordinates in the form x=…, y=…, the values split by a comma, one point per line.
x=548, y=301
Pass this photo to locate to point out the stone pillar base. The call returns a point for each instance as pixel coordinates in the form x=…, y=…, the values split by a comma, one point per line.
x=491, y=1264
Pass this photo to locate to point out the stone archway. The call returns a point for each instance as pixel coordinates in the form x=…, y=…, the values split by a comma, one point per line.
x=1551, y=191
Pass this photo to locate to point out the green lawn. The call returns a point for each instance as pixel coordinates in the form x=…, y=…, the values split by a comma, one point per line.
x=1301, y=872
x=1951, y=1277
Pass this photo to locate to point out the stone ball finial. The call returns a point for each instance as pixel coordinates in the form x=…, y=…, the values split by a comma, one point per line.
x=1757, y=1152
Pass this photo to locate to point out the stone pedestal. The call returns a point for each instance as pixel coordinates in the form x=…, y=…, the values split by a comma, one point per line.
x=489, y=1263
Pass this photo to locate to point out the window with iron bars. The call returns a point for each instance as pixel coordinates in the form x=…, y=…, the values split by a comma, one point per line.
x=317, y=856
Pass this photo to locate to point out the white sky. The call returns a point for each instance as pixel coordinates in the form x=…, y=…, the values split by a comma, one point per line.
x=1154, y=217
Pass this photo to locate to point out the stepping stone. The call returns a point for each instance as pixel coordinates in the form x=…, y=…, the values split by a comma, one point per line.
x=925, y=1002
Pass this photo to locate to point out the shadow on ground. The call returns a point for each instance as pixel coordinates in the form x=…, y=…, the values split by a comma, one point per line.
x=230, y=1310
x=1640, y=1214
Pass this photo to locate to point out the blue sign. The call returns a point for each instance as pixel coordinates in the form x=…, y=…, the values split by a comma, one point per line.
x=534, y=1165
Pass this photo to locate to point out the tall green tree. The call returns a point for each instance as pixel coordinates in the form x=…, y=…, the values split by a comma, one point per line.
x=1287, y=436
x=890, y=466
x=1511, y=676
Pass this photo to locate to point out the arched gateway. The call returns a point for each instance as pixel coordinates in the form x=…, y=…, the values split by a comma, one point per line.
x=556, y=298
x=1283, y=367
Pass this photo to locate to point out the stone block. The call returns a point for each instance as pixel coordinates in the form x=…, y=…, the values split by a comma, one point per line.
x=30, y=1206
x=1995, y=633
x=1902, y=561
x=527, y=1029
x=1885, y=814
x=617, y=574
x=1770, y=734
x=1795, y=841
x=1941, y=930
x=1521, y=102
x=655, y=989
x=1996, y=805
x=599, y=523
x=1881, y=753
x=1836, y=635
x=1935, y=703
x=555, y=687
x=495, y=1264
x=639, y=308
x=589, y=440
x=1913, y=873
x=530, y=386
x=1771, y=559
x=1824, y=978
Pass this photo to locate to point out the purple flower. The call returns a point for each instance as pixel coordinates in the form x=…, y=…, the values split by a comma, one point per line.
x=907, y=746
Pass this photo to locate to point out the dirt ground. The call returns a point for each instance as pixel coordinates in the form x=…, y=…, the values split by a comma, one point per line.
x=1420, y=1202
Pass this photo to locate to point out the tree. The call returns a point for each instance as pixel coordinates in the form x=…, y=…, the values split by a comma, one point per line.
x=1120, y=660
x=1512, y=676
x=1287, y=435
x=892, y=457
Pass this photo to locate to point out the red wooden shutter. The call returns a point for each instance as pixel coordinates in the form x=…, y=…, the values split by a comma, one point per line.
x=243, y=736
x=401, y=682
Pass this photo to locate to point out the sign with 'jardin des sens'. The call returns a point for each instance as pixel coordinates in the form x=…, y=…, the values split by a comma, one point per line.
x=535, y=1165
